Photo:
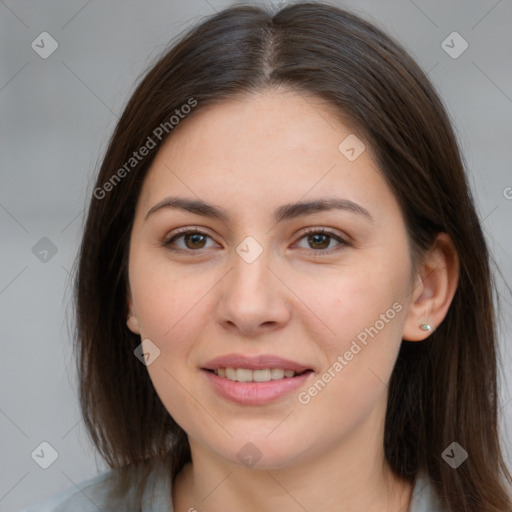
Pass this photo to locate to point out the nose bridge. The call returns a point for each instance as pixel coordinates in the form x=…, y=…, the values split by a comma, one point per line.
x=250, y=273
x=251, y=296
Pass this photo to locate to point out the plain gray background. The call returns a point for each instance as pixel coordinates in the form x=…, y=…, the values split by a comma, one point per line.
x=56, y=117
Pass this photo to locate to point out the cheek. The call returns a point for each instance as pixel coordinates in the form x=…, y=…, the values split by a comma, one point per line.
x=163, y=301
x=358, y=301
x=365, y=309
x=359, y=359
x=171, y=313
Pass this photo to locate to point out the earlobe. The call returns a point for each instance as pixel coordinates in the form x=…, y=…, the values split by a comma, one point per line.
x=131, y=321
x=434, y=290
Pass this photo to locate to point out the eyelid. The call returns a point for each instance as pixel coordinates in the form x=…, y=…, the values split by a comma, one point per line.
x=183, y=231
x=342, y=240
x=324, y=230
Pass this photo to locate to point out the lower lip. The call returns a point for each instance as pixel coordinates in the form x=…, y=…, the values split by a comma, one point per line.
x=255, y=393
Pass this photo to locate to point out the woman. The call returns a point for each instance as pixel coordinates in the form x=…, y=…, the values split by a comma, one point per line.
x=283, y=291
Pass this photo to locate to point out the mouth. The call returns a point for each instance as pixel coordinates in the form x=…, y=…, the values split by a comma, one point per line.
x=255, y=380
x=248, y=375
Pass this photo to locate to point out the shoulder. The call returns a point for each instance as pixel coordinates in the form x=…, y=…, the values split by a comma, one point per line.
x=424, y=497
x=88, y=495
x=97, y=493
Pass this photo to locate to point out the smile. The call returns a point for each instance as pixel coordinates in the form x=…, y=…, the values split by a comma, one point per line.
x=273, y=384
x=248, y=375
x=254, y=379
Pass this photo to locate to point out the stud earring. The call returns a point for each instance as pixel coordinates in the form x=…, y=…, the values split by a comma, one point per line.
x=426, y=327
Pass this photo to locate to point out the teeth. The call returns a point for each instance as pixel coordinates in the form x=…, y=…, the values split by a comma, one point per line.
x=246, y=375
x=243, y=375
x=261, y=375
x=277, y=373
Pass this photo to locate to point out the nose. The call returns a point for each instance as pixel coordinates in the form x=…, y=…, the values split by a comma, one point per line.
x=253, y=299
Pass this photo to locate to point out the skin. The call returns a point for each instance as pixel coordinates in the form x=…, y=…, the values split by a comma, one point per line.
x=292, y=302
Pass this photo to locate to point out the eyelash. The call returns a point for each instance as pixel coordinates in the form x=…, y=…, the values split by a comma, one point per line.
x=314, y=231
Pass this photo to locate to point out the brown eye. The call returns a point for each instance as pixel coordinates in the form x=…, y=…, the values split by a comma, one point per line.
x=196, y=240
x=320, y=239
x=191, y=240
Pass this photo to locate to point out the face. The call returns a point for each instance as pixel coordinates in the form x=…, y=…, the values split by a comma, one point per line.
x=322, y=292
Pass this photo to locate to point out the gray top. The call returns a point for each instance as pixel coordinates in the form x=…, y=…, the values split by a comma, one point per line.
x=92, y=496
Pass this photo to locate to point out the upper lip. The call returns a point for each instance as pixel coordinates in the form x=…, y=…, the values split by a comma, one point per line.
x=259, y=362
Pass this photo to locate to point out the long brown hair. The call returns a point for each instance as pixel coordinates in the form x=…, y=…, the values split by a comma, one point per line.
x=442, y=390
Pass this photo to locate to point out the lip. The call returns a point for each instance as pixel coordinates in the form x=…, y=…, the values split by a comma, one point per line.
x=259, y=362
x=255, y=393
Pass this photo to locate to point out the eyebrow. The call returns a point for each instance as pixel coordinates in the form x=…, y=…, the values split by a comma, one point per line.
x=285, y=212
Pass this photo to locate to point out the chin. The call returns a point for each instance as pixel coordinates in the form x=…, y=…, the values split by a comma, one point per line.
x=261, y=454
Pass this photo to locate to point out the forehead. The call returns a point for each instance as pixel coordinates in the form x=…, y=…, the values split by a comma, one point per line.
x=276, y=146
x=267, y=122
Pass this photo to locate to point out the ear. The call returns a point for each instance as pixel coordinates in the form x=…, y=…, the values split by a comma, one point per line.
x=436, y=283
x=132, y=322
